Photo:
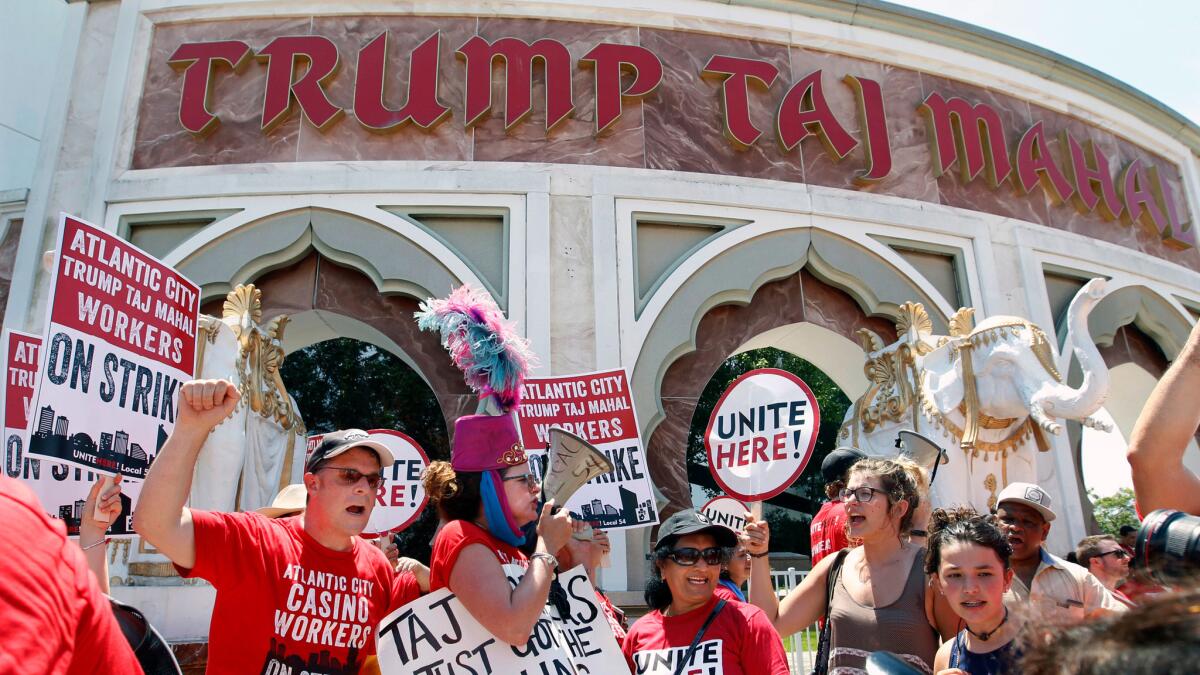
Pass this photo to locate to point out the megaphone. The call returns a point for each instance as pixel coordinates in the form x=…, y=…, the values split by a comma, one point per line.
x=923, y=451
x=570, y=463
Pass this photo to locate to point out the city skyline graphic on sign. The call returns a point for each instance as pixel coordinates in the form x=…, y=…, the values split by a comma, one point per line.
x=601, y=514
x=52, y=436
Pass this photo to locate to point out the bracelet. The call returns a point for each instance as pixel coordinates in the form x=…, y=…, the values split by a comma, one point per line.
x=758, y=555
x=91, y=546
x=550, y=559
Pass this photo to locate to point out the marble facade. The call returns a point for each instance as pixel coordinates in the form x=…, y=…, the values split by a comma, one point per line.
x=678, y=127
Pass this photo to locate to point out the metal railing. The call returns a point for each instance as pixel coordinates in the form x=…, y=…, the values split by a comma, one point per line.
x=801, y=647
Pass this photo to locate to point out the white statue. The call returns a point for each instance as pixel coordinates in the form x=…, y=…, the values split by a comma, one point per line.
x=260, y=448
x=988, y=394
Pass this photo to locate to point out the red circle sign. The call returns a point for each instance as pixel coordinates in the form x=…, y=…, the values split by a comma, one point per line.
x=761, y=434
x=726, y=511
x=401, y=498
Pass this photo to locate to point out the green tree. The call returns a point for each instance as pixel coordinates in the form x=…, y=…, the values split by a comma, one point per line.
x=1113, y=511
x=345, y=383
x=795, y=507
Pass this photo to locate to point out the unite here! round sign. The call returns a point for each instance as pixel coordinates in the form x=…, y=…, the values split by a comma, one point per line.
x=761, y=434
x=401, y=497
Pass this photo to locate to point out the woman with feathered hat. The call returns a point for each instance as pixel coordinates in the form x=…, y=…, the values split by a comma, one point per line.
x=486, y=493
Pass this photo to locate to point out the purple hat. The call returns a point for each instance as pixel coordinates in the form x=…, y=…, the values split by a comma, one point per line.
x=486, y=442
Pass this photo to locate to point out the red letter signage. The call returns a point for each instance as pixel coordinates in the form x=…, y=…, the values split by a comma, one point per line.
x=608, y=60
x=990, y=151
x=1033, y=160
x=874, y=128
x=1085, y=175
x=518, y=78
x=735, y=75
x=198, y=60
x=422, y=106
x=282, y=89
x=804, y=111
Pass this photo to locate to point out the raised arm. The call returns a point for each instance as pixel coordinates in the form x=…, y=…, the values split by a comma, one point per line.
x=803, y=605
x=480, y=584
x=92, y=530
x=161, y=517
x=1160, y=437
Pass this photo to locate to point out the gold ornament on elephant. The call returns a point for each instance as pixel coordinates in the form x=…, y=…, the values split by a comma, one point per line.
x=260, y=348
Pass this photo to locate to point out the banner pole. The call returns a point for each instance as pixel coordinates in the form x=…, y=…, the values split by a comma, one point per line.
x=756, y=510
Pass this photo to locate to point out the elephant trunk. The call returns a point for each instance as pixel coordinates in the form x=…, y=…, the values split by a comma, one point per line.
x=1066, y=402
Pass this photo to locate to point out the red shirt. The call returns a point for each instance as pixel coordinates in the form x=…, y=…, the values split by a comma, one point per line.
x=740, y=641
x=453, y=538
x=616, y=618
x=53, y=617
x=827, y=532
x=284, y=601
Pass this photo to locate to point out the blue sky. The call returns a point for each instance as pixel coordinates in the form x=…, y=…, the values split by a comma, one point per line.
x=1150, y=45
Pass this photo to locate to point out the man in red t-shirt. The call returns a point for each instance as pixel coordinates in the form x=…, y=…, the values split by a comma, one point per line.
x=827, y=532
x=293, y=594
x=53, y=617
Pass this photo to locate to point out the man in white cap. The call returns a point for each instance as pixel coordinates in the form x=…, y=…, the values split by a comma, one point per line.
x=1063, y=592
x=293, y=594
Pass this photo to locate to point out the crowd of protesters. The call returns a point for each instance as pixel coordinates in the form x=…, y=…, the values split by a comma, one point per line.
x=951, y=592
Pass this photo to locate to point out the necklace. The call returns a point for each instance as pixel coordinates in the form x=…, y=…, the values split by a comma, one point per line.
x=987, y=634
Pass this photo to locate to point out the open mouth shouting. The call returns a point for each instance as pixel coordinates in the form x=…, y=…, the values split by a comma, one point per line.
x=356, y=510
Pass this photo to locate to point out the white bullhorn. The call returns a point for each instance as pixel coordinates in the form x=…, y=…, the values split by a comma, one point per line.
x=923, y=451
x=571, y=462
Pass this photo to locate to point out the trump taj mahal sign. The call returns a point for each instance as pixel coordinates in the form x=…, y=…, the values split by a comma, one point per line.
x=965, y=135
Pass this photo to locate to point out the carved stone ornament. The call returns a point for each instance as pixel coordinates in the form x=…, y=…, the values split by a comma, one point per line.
x=992, y=389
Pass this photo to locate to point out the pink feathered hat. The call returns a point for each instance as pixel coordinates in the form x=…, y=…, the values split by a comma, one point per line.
x=486, y=442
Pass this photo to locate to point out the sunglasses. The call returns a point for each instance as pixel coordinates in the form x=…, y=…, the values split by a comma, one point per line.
x=530, y=480
x=1120, y=553
x=687, y=557
x=352, y=476
x=862, y=495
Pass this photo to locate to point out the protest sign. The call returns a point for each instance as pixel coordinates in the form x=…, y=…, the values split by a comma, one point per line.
x=401, y=497
x=726, y=511
x=598, y=408
x=761, y=434
x=120, y=339
x=435, y=635
x=61, y=489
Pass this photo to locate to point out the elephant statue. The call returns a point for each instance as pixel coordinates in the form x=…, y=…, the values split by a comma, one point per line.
x=260, y=447
x=988, y=393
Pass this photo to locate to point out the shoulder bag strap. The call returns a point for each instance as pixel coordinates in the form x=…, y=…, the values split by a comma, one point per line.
x=821, y=663
x=687, y=656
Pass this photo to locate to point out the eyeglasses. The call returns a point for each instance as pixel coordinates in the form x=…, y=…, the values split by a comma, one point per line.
x=530, y=480
x=352, y=476
x=863, y=495
x=1120, y=553
x=687, y=557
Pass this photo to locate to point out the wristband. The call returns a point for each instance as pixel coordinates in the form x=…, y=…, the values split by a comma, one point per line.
x=918, y=533
x=758, y=555
x=91, y=546
x=550, y=560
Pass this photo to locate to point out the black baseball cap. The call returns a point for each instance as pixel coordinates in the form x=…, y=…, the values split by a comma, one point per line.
x=692, y=522
x=838, y=462
x=335, y=443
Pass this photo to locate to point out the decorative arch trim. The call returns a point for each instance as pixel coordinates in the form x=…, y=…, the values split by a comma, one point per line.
x=876, y=278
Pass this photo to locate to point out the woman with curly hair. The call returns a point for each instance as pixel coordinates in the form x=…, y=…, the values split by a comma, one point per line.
x=875, y=596
x=968, y=555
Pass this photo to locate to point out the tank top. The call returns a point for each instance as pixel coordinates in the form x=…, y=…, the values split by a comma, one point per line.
x=997, y=662
x=901, y=627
